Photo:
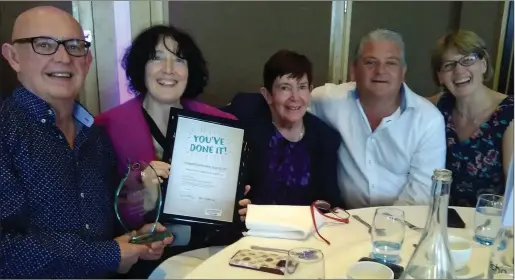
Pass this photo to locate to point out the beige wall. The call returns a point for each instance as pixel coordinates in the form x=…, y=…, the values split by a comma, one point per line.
x=9, y=10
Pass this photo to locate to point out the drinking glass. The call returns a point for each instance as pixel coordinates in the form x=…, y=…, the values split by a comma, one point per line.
x=305, y=263
x=487, y=220
x=501, y=258
x=387, y=234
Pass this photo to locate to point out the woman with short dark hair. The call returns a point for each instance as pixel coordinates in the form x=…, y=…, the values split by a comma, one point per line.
x=294, y=155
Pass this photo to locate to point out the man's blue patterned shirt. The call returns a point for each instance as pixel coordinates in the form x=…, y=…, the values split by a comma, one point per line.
x=56, y=211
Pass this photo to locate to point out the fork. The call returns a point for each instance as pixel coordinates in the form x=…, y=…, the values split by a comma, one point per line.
x=379, y=232
x=409, y=225
x=412, y=226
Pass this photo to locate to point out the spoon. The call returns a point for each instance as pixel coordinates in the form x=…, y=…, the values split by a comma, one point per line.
x=484, y=225
x=378, y=231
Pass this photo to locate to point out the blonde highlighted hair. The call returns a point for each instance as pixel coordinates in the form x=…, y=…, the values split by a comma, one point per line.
x=464, y=42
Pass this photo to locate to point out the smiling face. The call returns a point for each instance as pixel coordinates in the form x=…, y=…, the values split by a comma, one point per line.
x=379, y=70
x=289, y=98
x=461, y=74
x=167, y=73
x=56, y=76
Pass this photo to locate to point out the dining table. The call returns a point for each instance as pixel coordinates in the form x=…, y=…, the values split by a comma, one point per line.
x=349, y=242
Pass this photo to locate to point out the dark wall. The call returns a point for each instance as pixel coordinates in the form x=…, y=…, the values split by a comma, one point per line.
x=9, y=10
x=237, y=37
x=419, y=22
x=485, y=19
x=506, y=68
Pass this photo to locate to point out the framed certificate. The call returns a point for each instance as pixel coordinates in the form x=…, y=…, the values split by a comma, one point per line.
x=204, y=185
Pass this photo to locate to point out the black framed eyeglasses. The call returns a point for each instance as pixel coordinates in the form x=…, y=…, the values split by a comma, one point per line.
x=465, y=61
x=49, y=45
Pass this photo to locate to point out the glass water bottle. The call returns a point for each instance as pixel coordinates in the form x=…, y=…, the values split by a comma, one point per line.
x=502, y=257
x=432, y=258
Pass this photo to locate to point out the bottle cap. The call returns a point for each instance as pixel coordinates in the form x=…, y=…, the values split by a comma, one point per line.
x=443, y=175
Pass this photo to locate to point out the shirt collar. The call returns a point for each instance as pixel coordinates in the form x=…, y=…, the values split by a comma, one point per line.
x=41, y=111
x=406, y=99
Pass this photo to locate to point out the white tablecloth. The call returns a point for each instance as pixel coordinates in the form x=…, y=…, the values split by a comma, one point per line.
x=349, y=243
x=177, y=267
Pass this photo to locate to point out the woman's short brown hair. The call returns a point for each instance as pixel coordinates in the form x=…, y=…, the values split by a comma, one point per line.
x=286, y=62
x=464, y=42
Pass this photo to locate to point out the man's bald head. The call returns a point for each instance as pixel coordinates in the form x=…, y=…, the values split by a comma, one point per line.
x=46, y=21
x=48, y=53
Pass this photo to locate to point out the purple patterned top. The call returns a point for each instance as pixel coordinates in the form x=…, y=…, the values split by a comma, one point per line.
x=288, y=172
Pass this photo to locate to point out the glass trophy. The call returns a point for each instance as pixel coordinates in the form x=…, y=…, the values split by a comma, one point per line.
x=138, y=202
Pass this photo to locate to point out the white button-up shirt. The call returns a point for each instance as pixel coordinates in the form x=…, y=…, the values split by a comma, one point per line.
x=392, y=164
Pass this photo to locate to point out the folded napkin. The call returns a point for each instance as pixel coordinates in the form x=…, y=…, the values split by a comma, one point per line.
x=280, y=221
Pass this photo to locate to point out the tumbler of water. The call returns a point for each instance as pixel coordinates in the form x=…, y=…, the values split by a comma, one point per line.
x=501, y=259
x=387, y=234
x=487, y=220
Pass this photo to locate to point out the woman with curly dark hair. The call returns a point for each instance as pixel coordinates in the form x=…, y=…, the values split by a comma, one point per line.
x=165, y=70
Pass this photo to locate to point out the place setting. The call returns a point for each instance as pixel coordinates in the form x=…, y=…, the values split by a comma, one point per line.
x=322, y=242
x=387, y=233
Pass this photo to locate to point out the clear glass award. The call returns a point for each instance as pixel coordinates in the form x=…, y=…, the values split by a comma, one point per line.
x=138, y=202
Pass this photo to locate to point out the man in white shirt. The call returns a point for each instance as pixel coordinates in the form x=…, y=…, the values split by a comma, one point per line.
x=393, y=139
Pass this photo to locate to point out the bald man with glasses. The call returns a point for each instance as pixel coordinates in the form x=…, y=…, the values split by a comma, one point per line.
x=56, y=166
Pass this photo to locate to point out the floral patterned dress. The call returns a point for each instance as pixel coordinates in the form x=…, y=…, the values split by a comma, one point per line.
x=476, y=163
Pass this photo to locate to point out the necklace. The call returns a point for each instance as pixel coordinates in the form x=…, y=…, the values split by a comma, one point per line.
x=476, y=120
x=301, y=134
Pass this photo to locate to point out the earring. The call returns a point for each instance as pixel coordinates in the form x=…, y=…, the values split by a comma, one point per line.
x=441, y=88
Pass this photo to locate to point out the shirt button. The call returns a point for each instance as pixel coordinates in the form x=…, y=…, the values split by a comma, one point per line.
x=43, y=121
x=82, y=194
x=87, y=226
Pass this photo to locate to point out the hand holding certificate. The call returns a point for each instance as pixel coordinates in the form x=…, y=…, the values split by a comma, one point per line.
x=206, y=161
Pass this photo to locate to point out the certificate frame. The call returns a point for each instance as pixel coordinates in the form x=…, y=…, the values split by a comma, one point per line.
x=175, y=116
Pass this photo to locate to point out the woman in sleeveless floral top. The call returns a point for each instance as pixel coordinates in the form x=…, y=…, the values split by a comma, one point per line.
x=479, y=120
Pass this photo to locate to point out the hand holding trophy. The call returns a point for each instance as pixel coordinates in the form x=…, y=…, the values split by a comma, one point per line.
x=138, y=202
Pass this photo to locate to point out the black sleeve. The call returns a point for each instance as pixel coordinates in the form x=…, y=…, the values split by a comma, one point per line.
x=245, y=105
x=333, y=194
x=234, y=107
